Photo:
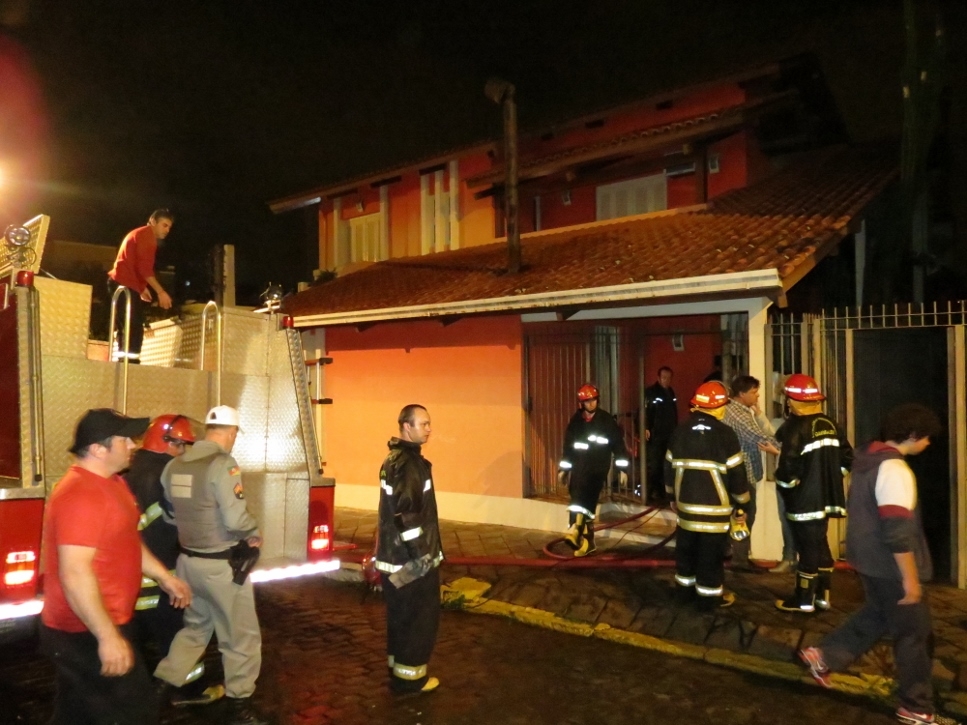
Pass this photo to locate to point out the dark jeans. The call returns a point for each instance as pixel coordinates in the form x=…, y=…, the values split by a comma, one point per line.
x=812, y=545
x=909, y=627
x=412, y=620
x=137, y=322
x=84, y=696
x=700, y=558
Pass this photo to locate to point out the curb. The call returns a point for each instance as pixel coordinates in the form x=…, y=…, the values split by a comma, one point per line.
x=467, y=594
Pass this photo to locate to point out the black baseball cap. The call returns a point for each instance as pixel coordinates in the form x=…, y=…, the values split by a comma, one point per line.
x=102, y=423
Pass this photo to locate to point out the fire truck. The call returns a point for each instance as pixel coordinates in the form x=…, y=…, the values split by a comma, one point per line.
x=51, y=373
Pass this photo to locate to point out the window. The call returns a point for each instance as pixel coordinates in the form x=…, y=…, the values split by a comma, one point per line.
x=365, y=238
x=634, y=196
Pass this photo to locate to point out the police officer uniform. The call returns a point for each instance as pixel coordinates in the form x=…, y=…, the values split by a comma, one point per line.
x=204, y=490
x=705, y=474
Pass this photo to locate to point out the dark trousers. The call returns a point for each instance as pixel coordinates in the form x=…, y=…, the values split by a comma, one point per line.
x=84, y=696
x=133, y=350
x=412, y=620
x=159, y=624
x=812, y=545
x=909, y=627
x=585, y=489
x=655, y=451
x=700, y=561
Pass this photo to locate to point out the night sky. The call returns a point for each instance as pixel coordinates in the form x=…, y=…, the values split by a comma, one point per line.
x=214, y=108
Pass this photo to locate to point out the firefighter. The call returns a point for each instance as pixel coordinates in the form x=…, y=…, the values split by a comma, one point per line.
x=167, y=436
x=591, y=438
x=814, y=459
x=705, y=476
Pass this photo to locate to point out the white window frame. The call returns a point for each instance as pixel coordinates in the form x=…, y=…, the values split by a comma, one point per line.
x=366, y=238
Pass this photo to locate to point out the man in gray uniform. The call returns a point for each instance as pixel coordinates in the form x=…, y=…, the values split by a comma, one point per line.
x=206, y=500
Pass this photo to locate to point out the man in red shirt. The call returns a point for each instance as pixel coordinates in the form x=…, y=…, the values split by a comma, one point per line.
x=93, y=561
x=134, y=269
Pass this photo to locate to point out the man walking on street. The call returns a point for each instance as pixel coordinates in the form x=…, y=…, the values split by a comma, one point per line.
x=741, y=416
x=94, y=560
x=592, y=437
x=134, y=269
x=814, y=459
x=408, y=554
x=661, y=417
x=886, y=545
x=203, y=488
x=167, y=436
x=705, y=477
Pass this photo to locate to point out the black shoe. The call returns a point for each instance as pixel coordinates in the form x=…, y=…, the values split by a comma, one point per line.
x=241, y=712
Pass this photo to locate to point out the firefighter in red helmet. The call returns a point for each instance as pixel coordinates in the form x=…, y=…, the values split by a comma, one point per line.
x=591, y=439
x=706, y=478
x=815, y=457
x=167, y=436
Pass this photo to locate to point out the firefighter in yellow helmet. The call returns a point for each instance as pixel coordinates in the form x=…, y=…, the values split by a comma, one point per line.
x=814, y=459
x=591, y=438
x=705, y=476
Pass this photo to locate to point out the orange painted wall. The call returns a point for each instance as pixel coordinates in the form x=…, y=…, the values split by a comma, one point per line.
x=732, y=174
x=583, y=208
x=476, y=215
x=468, y=375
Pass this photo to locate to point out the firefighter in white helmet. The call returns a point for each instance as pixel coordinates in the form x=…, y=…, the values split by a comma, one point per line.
x=591, y=438
x=814, y=459
x=706, y=478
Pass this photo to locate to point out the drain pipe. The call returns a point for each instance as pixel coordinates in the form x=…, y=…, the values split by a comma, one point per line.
x=502, y=92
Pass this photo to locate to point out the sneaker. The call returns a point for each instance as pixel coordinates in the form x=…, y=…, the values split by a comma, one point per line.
x=916, y=718
x=812, y=657
x=183, y=697
x=431, y=684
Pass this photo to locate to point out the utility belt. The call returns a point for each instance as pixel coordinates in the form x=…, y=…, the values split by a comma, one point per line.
x=226, y=555
x=241, y=557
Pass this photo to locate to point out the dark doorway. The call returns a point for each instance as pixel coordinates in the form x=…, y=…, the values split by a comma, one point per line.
x=910, y=366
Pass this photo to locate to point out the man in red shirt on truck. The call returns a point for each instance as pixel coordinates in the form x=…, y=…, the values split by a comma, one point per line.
x=93, y=563
x=134, y=269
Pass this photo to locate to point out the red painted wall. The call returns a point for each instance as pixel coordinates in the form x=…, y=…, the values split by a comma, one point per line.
x=10, y=461
x=468, y=375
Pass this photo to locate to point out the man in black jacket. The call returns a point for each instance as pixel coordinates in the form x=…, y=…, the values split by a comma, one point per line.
x=814, y=459
x=661, y=418
x=591, y=438
x=886, y=545
x=706, y=478
x=408, y=554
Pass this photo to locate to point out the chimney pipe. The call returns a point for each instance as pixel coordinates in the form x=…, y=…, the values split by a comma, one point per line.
x=502, y=92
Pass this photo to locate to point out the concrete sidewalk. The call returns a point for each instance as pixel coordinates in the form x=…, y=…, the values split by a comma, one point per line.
x=637, y=606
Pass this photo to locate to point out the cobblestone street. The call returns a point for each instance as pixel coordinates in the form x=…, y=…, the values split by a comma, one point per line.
x=325, y=663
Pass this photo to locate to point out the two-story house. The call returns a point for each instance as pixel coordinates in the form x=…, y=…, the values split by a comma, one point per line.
x=656, y=233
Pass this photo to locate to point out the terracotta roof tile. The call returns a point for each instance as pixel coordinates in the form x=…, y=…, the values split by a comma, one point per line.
x=778, y=223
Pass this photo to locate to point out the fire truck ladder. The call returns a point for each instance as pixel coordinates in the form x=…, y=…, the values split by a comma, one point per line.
x=301, y=381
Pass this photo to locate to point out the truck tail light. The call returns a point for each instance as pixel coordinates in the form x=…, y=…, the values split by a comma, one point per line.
x=20, y=568
x=319, y=540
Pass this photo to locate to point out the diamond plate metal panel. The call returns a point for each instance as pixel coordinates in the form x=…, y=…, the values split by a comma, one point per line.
x=156, y=391
x=71, y=386
x=265, y=495
x=65, y=317
x=285, y=450
x=296, y=517
x=249, y=395
x=245, y=341
x=23, y=372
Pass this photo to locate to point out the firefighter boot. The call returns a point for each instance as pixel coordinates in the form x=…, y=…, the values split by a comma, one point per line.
x=803, y=600
x=575, y=534
x=823, y=587
x=587, y=543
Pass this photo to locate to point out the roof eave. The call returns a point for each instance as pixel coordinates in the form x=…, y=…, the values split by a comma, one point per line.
x=756, y=283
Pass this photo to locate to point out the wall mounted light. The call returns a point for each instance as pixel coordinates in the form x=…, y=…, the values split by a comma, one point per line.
x=566, y=197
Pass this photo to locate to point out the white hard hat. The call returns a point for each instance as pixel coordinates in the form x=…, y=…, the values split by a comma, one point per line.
x=222, y=415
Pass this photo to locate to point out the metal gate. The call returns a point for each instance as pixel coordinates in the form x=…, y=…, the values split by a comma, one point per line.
x=866, y=361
